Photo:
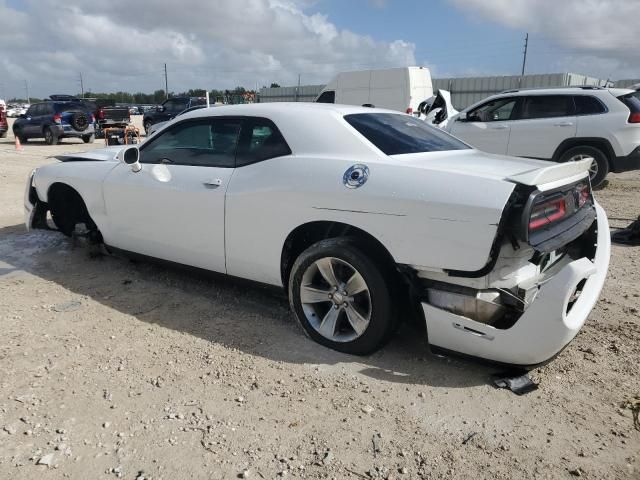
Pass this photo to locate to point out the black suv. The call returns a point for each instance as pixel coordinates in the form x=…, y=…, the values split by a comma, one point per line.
x=169, y=109
x=55, y=119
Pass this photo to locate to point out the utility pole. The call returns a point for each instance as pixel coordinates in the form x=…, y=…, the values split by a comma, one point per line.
x=26, y=87
x=298, y=89
x=166, y=84
x=524, y=58
x=81, y=85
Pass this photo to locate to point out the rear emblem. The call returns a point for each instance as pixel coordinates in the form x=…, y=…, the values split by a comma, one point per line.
x=355, y=176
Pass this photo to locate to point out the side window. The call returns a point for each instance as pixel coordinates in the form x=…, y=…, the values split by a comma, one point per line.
x=31, y=111
x=587, y=105
x=547, y=106
x=327, y=97
x=260, y=140
x=174, y=106
x=204, y=143
x=498, y=110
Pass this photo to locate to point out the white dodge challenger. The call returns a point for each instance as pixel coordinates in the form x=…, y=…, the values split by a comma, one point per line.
x=367, y=217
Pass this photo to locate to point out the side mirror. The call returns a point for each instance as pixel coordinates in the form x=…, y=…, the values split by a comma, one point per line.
x=131, y=156
x=160, y=108
x=462, y=117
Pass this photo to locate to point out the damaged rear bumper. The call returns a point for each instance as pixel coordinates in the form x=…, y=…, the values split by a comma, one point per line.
x=549, y=323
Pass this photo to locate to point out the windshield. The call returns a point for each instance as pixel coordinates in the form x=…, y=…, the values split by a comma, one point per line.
x=397, y=134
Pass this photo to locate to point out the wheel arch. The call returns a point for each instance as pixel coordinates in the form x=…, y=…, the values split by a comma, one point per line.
x=305, y=235
x=600, y=143
x=62, y=195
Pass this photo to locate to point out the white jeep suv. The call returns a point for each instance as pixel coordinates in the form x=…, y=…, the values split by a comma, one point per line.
x=558, y=124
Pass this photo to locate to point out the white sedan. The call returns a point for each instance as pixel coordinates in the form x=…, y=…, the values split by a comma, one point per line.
x=366, y=217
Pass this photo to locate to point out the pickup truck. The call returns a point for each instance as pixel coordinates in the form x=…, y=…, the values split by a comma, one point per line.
x=109, y=115
x=169, y=109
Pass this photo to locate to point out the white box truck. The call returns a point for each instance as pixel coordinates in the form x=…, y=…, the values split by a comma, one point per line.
x=400, y=89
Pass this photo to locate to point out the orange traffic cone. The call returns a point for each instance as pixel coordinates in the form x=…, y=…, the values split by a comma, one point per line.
x=18, y=145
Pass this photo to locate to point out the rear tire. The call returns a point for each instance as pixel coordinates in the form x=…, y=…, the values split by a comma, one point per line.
x=49, y=137
x=600, y=166
x=88, y=138
x=357, y=316
x=3, y=135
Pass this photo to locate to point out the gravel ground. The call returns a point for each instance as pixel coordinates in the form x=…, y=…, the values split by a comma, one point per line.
x=110, y=368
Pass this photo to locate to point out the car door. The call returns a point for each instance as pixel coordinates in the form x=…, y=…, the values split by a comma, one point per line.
x=29, y=123
x=541, y=123
x=487, y=126
x=174, y=208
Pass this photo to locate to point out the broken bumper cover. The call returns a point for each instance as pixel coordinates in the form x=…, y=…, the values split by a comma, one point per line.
x=546, y=326
x=30, y=200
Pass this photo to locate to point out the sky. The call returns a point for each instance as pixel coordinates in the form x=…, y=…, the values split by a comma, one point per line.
x=122, y=45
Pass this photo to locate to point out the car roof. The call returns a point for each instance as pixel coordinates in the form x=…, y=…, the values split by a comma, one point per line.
x=306, y=126
x=268, y=109
x=577, y=90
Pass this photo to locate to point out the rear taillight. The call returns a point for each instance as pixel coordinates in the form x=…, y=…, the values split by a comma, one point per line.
x=101, y=114
x=57, y=118
x=410, y=111
x=93, y=118
x=547, y=212
x=634, y=118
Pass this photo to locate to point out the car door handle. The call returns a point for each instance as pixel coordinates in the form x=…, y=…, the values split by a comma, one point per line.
x=498, y=127
x=213, y=182
x=563, y=124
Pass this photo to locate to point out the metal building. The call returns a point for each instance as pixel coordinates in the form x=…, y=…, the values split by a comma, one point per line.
x=304, y=93
x=464, y=91
x=627, y=83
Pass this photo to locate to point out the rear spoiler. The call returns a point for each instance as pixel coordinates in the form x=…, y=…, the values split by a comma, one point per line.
x=561, y=171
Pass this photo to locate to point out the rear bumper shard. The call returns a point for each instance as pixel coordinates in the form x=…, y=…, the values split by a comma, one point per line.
x=545, y=328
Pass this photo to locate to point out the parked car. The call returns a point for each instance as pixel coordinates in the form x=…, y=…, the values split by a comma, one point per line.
x=399, y=89
x=54, y=120
x=160, y=125
x=502, y=257
x=558, y=124
x=4, y=125
x=169, y=109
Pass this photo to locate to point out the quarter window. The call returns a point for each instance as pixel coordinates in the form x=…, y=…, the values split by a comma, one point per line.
x=261, y=140
x=204, y=143
x=327, y=97
x=498, y=110
x=587, y=105
x=547, y=106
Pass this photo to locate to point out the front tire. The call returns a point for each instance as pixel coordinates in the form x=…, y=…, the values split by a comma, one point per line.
x=340, y=297
x=88, y=138
x=49, y=137
x=599, y=167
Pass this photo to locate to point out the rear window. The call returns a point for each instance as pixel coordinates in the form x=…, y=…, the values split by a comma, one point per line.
x=396, y=134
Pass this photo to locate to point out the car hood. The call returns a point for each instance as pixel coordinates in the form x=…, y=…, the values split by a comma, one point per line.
x=102, y=154
x=496, y=167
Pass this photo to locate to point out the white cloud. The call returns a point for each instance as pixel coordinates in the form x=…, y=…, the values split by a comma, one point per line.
x=598, y=36
x=122, y=45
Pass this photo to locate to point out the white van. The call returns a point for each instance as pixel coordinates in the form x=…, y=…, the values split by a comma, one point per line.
x=400, y=89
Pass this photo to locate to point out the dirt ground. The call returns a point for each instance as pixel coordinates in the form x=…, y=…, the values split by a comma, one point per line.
x=114, y=369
